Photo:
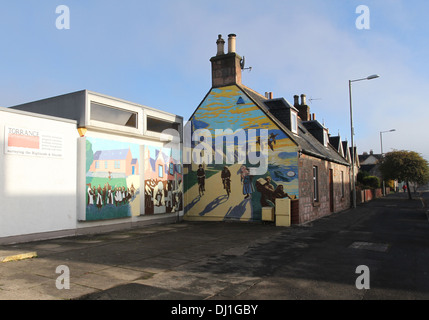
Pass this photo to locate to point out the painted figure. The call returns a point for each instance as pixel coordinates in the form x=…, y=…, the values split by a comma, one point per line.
x=158, y=194
x=226, y=179
x=279, y=193
x=110, y=196
x=90, y=195
x=246, y=180
x=201, y=176
x=99, y=202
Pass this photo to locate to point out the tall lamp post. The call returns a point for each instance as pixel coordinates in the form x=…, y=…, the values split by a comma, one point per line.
x=382, y=155
x=374, y=76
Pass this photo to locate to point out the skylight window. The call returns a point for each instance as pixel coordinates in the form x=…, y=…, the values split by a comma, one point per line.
x=104, y=113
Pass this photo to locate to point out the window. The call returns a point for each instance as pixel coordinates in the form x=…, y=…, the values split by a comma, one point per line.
x=315, y=184
x=117, y=164
x=171, y=169
x=294, y=121
x=158, y=125
x=325, y=137
x=160, y=171
x=100, y=112
x=342, y=184
x=106, y=164
x=97, y=165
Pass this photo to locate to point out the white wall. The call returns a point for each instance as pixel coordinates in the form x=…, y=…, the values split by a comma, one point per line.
x=37, y=192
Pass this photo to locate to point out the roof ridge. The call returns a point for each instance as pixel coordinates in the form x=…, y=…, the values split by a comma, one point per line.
x=253, y=91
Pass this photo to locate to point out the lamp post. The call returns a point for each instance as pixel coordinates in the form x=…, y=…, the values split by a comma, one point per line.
x=374, y=76
x=381, y=144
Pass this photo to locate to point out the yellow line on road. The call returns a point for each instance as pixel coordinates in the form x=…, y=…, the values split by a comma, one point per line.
x=16, y=257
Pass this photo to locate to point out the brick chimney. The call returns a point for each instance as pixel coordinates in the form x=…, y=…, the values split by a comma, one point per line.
x=303, y=108
x=226, y=68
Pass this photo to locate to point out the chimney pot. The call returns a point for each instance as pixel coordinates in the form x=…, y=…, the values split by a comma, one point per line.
x=303, y=100
x=231, y=43
x=296, y=100
x=220, y=45
x=314, y=116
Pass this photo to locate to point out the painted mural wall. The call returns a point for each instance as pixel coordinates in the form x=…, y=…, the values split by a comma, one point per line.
x=112, y=179
x=114, y=172
x=228, y=190
x=163, y=180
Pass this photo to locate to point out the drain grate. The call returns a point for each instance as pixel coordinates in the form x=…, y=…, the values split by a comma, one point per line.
x=379, y=247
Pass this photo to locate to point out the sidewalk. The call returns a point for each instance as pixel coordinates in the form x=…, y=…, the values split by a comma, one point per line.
x=228, y=261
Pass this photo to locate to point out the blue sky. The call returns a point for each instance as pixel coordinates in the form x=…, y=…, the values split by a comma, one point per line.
x=157, y=53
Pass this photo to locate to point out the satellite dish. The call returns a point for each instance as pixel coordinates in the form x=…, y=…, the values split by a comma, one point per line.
x=242, y=63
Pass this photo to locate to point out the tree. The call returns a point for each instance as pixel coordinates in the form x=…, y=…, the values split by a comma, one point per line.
x=89, y=155
x=407, y=166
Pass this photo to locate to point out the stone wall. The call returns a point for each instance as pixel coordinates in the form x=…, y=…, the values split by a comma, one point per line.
x=309, y=209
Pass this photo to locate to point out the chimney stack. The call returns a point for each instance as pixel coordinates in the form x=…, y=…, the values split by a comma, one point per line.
x=303, y=108
x=226, y=68
x=220, y=45
x=231, y=43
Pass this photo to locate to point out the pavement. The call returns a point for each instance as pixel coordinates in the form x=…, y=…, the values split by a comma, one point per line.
x=213, y=261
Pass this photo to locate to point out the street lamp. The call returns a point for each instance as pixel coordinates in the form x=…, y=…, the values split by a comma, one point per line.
x=374, y=76
x=381, y=144
x=381, y=138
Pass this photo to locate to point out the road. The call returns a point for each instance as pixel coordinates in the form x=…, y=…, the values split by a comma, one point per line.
x=214, y=262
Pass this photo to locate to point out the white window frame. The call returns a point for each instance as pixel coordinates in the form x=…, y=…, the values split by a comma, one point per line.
x=315, y=184
x=294, y=122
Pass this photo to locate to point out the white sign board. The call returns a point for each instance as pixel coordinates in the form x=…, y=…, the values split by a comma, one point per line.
x=33, y=142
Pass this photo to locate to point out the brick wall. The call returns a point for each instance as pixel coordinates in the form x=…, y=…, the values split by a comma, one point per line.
x=308, y=208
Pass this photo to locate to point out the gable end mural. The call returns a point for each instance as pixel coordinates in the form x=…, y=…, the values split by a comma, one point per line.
x=235, y=187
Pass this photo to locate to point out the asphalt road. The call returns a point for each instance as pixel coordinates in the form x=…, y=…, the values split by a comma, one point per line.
x=378, y=251
x=387, y=237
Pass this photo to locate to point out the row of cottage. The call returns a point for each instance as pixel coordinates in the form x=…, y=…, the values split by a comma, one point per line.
x=71, y=151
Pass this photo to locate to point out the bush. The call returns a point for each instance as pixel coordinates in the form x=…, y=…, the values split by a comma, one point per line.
x=371, y=181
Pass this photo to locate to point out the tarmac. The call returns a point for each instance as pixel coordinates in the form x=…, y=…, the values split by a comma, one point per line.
x=234, y=261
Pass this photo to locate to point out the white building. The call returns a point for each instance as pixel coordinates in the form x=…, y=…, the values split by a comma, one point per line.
x=77, y=163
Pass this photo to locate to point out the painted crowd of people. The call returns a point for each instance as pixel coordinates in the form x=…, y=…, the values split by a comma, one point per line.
x=108, y=195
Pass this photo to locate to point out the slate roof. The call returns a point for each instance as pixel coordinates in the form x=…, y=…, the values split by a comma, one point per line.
x=305, y=141
x=363, y=157
x=335, y=142
x=120, y=154
x=346, y=150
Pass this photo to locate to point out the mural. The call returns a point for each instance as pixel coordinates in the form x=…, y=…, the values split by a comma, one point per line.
x=112, y=179
x=163, y=180
x=229, y=191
